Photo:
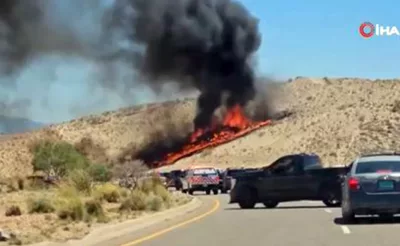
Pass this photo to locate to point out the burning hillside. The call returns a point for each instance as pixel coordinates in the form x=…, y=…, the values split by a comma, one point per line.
x=234, y=125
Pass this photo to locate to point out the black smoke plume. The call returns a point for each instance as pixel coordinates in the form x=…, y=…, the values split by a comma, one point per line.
x=203, y=44
x=207, y=44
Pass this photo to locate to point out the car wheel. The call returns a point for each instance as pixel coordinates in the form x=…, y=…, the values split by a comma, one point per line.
x=271, y=204
x=208, y=192
x=331, y=200
x=190, y=192
x=247, y=204
x=224, y=191
x=215, y=191
x=184, y=191
x=247, y=199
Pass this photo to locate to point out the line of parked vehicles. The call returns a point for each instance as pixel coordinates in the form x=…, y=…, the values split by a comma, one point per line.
x=370, y=185
x=202, y=178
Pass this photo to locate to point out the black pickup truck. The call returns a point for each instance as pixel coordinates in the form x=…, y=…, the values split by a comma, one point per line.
x=290, y=178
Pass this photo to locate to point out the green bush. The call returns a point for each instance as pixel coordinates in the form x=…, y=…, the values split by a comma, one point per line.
x=100, y=173
x=40, y=205
x=108, y=192
x=57, y=157
x=81, y=180
x=94, y=208
x=68, y=203
x=136, y=201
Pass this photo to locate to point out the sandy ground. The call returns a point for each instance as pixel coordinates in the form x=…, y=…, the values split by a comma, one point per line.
x=31, y=228
x=335, y=118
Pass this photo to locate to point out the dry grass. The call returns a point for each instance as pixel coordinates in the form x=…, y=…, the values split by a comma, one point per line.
x=64, y=212
x=335, y=118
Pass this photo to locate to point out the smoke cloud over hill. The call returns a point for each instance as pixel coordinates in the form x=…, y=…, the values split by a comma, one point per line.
x=64, y=59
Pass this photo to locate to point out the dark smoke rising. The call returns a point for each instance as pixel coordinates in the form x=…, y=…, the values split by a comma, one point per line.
x=207, y=44
x=59, y=61
x=124, y=50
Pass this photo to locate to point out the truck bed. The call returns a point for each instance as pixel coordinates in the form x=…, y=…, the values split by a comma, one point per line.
x=329, y=171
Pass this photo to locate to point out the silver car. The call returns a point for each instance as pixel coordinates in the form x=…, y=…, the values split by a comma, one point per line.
x=372, y=187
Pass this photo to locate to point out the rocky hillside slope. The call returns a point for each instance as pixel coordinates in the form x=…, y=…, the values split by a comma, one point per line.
x=335, y=118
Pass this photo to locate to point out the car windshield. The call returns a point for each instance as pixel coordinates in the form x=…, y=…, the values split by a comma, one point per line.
x=205, y=171
x=377, y=166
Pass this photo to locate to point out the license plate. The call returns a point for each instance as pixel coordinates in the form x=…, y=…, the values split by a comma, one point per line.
x=386, y=185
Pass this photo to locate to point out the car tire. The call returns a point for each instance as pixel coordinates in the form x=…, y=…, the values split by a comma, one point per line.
x=184, y=191
x=248, y=201
x=208, y=192
x=215, y=191
x=331, y=199
x=224, y=191
x=271, y=204
x=190, y=192
x=331, y=203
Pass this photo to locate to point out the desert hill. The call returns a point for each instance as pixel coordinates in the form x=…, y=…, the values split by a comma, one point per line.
x=335, y=118
x=16, y=124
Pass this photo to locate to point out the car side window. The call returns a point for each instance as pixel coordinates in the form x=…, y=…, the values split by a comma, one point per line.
x=284, y=167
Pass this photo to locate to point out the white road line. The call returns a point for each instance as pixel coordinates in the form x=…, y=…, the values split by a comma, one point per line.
x=328, y=211
x=345, y=229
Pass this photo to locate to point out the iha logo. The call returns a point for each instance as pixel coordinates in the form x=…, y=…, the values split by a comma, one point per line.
x=367, y=30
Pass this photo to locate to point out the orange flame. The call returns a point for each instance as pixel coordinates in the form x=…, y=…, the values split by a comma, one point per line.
x=234, y=125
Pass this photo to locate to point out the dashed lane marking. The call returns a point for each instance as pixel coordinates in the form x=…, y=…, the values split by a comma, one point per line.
x=159, y=233
x=345, y=229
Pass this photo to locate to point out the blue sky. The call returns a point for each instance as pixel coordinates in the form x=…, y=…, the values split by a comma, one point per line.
x=320, y=38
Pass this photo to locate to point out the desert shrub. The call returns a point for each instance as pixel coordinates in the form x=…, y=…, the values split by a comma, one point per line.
x=164, y=194
x=108, y=192
x=40, y=205
x=149, y=184
x=13, y=210
x=57, y=158
x=94, y=208
x=100, y=173
x=136, y=201
x=146, y=185
x=68, y=203
x=154, y=203
x=130, y=172
x=124, y=192
x=81, y=180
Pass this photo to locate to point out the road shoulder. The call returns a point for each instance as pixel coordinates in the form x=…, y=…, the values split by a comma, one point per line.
x=112, y=234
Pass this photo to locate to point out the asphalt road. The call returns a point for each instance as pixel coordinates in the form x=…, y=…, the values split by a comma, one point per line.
x=295, y=223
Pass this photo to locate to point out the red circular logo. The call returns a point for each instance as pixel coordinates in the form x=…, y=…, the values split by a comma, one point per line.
x=363, y=29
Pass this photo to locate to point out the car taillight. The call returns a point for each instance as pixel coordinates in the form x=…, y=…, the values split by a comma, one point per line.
x=216, y=178
x=353, y=184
